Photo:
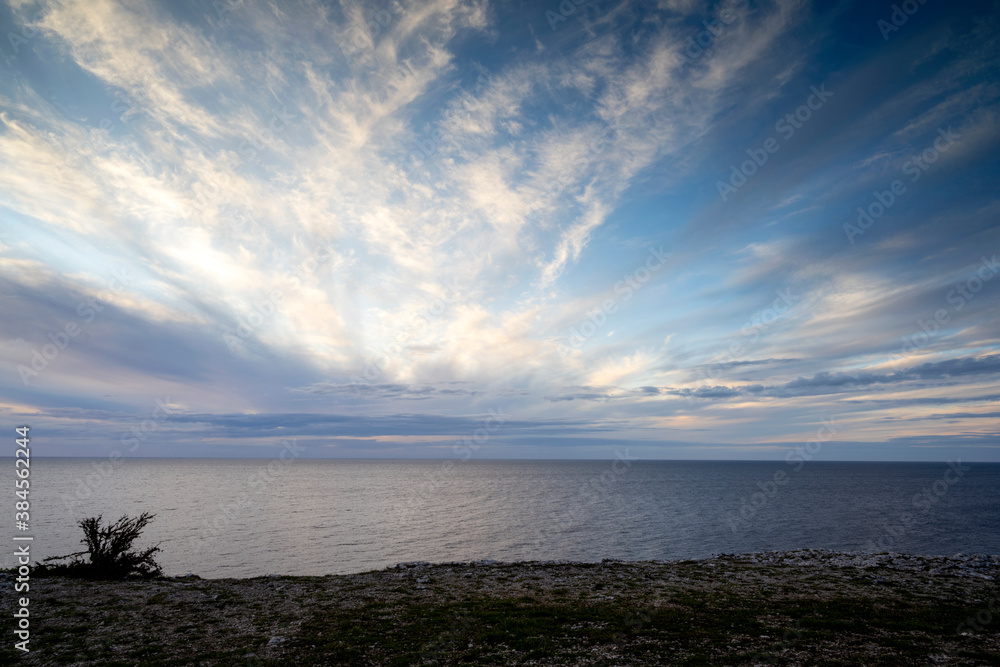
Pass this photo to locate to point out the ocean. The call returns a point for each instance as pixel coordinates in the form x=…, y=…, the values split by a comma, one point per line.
x=251, y=517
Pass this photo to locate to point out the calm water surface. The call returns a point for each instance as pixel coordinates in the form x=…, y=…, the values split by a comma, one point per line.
x=235, y=518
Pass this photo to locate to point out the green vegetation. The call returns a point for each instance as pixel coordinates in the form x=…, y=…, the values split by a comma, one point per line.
x=709, y=630
x=637, y=614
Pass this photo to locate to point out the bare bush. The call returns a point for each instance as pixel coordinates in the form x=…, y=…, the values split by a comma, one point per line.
x=109, y=550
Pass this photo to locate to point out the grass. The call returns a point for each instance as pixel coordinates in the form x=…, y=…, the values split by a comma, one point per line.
x=699, y=629
x=515, y=614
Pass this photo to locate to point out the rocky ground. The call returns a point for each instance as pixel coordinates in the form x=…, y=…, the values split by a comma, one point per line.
x=788, y=608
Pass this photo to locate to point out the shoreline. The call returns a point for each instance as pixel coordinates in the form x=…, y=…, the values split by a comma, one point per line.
x=971, y=562
x=784, y=607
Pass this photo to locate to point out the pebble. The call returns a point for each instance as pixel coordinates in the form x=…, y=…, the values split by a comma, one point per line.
x=959, y=565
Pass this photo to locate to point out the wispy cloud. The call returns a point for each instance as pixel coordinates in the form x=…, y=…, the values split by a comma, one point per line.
x=430, y=197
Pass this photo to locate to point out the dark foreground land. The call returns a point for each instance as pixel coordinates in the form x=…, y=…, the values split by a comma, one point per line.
x=787, y=608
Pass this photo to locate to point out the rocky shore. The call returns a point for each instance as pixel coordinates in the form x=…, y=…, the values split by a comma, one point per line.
x=806, y=607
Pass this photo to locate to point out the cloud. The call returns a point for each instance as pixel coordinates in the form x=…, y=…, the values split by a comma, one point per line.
x=386, y=390
x=963, y=415
x=753, y=362
x=824, y=382
x=947, y=369
x=434, y=199
x=409, y=424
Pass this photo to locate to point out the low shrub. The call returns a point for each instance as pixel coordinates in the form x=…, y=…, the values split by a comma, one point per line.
x=109, y=551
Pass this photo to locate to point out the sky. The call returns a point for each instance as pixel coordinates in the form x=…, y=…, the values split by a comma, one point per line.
x=463, y=229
